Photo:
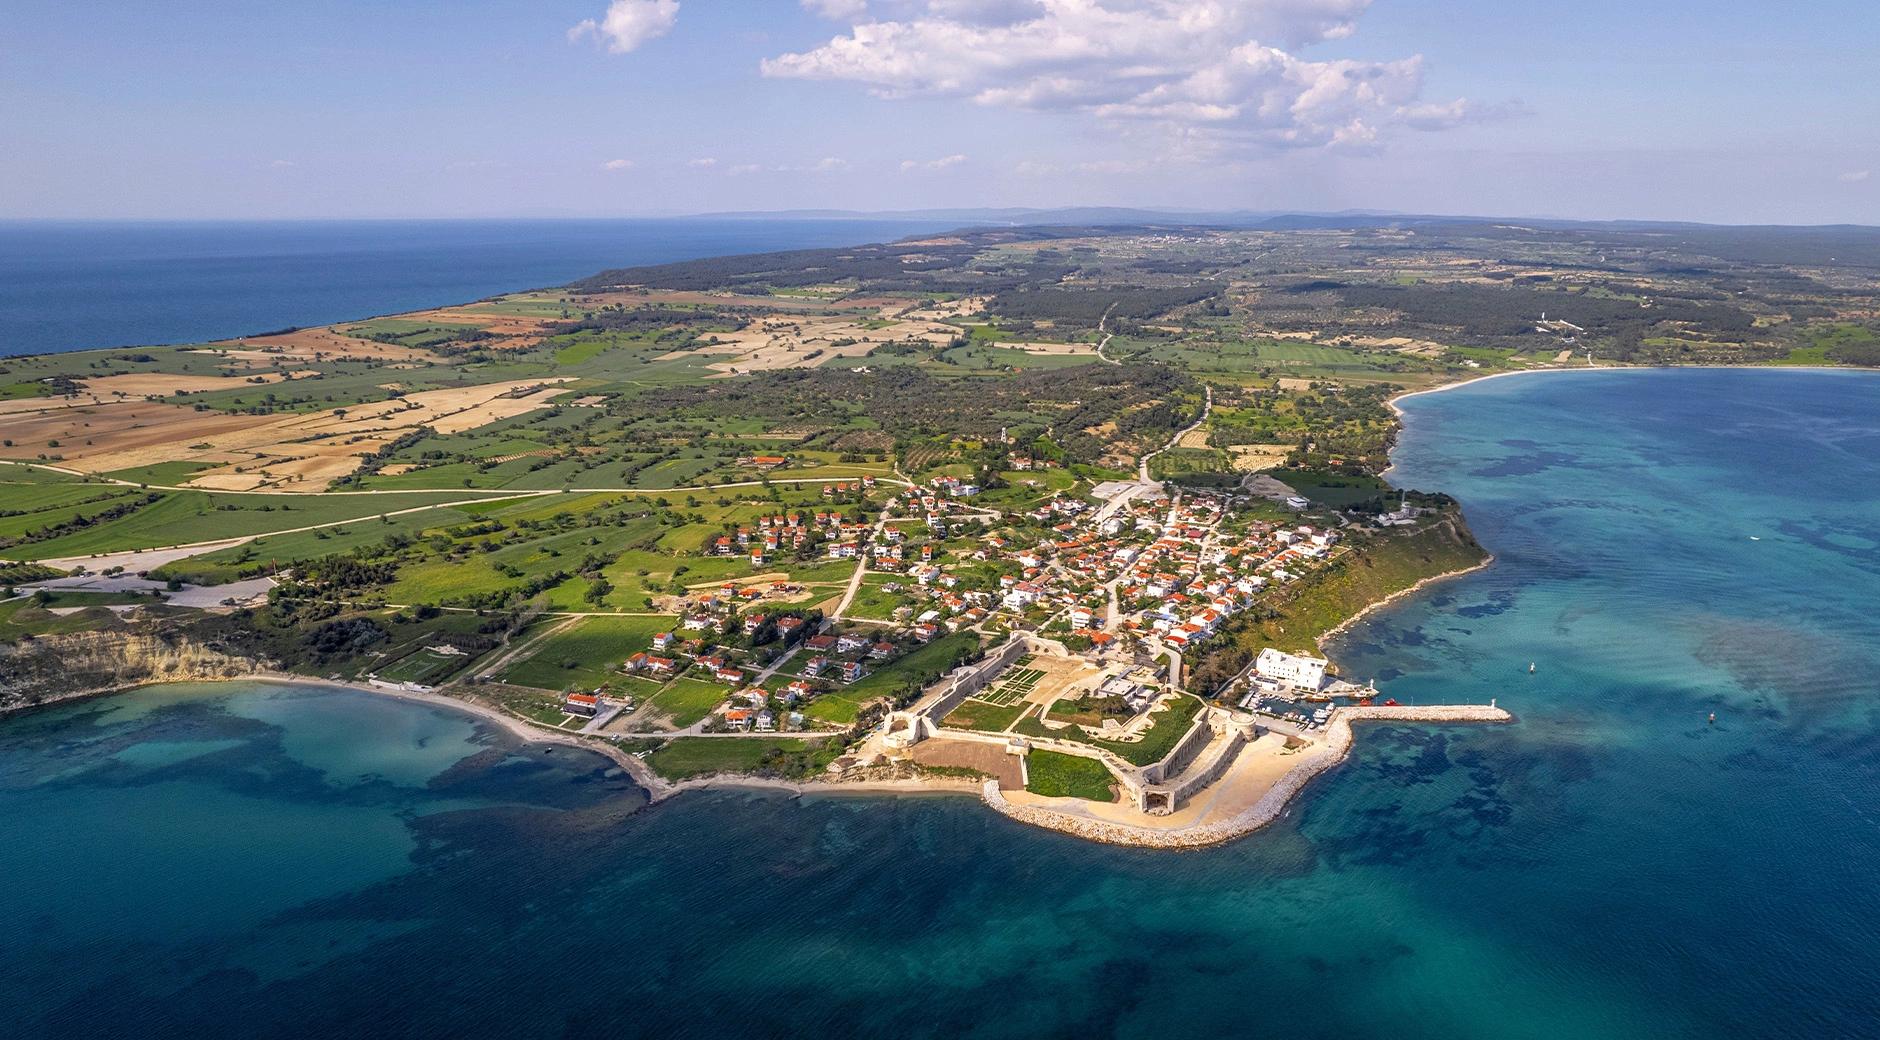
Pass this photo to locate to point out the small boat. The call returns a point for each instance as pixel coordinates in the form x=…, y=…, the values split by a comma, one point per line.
x=1530, y=667
x=1754, y=538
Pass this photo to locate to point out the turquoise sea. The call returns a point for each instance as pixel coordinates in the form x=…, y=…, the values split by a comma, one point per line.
x=255, y=861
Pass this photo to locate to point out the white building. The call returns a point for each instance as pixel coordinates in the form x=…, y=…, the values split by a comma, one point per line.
x=1278, y=666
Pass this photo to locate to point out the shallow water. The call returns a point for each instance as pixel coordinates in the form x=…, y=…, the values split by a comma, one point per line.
x=272, y=861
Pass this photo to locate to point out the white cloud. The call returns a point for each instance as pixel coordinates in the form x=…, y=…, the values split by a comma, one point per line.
x=944, y=162
x=629, y=23
x=1856, y=176
x=830, y=164
x=703, y=163
x=744, y=168
x=1109, y=166
x=616, y=165
x=1223, y=71
x=282, y=164
x=837, y=9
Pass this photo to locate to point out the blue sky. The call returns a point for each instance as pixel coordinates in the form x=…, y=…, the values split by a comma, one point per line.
x=1728, y=112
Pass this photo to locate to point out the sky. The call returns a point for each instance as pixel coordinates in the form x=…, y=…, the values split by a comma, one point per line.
x=1718, y=111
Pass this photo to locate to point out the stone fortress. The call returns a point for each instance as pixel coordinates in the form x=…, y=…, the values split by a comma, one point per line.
x=1231, y=771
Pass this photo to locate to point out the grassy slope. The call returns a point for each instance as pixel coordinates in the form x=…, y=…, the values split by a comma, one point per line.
x=1387, y=564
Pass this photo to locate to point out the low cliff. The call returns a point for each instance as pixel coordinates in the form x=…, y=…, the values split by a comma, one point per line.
x=54, y=667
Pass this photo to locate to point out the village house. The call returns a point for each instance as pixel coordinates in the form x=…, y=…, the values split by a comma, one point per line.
x=586, y=705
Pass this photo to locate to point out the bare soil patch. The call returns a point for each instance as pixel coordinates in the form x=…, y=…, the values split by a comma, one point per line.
x=960, y=754
x=297, y=452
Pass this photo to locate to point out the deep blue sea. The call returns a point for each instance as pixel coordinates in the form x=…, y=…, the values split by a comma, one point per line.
x=74, y=285
x=254, y=861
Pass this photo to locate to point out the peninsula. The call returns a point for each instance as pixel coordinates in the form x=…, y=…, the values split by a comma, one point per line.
x=1061, y=517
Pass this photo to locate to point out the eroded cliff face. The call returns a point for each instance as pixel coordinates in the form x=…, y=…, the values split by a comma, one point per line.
x=48, y=668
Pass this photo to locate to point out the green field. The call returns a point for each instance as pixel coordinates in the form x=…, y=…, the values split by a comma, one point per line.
x=876, y=603
x=35, y=507
x=586, y=654
x=1328, y=488
x=1053, y=774
x=184, y=517
x=284, y=550
x=685, y=757
x=685, y=701
x=977, y=714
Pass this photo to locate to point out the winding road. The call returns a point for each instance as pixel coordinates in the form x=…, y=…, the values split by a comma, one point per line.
x=1142, y=467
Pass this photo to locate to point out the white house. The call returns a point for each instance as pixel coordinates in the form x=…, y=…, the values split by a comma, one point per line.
x=1279, y=666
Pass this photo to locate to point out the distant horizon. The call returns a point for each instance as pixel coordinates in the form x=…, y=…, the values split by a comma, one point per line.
x=1200, y=217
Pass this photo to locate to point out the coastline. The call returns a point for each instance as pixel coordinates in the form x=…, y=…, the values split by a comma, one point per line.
x=1343, y=626
x=658, y=788
x=1458, y=384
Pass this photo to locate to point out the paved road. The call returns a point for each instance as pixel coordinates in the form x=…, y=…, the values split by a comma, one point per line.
x=1142, y=468
x=1105, y=341
x=861, y=567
